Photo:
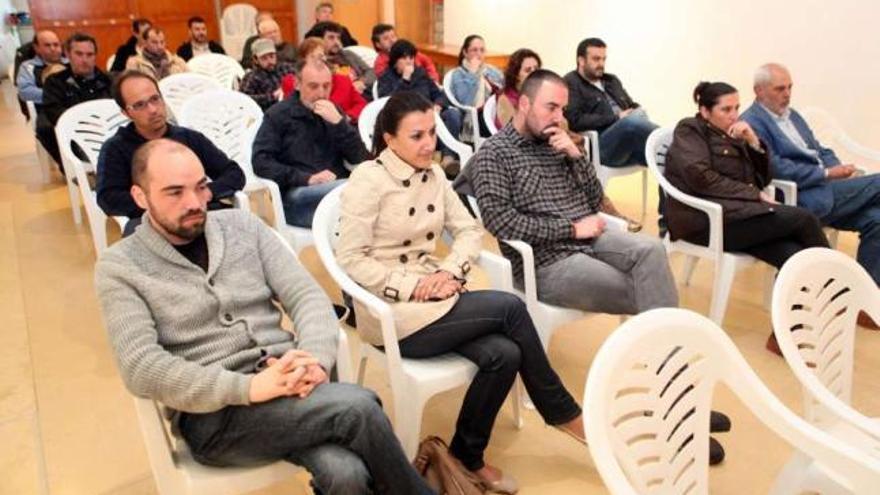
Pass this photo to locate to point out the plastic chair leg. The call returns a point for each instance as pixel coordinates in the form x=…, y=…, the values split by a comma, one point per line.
x=644, y=195
x=408, y=422
x=724, y=273
x=690, y=262
x=73, y=192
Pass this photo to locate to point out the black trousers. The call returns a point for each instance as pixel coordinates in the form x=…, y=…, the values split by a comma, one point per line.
x=494, y=330
x=772, y=238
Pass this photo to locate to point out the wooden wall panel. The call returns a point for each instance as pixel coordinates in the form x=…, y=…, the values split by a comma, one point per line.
x=283, y=10
x=413, y=20
x=171, y=15
x=359, y=16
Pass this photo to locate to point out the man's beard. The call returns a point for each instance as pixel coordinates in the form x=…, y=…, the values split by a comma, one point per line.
x=189, y=233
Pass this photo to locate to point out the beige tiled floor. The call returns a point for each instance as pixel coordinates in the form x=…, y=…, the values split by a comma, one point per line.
x=67, y=425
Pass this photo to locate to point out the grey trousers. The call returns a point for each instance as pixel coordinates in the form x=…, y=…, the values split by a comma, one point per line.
x=626, y=274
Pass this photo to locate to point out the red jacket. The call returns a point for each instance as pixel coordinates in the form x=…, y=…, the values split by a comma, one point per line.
x=422, y=61
x=343, y=94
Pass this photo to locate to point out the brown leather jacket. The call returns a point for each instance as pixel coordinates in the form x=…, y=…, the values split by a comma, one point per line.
x=705, y=162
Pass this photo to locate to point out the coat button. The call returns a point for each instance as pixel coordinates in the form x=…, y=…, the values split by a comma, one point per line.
x=406, y=183
x=424, y=177
x=403, y=258
x=430, y=236
x=227, y=317
x=211, y=282
x=412, y=211
x=407, y=242
x=430, y=208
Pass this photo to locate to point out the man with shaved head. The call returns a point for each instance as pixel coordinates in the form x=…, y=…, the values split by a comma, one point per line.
x=831, y=190
x=193, y=302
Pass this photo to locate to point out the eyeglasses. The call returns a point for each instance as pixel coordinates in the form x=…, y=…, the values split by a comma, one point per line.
x=143, y=104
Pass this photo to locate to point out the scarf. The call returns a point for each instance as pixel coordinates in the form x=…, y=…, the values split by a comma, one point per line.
x=161, y=63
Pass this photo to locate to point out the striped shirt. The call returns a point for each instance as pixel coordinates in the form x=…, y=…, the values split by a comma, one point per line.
x=528, y=191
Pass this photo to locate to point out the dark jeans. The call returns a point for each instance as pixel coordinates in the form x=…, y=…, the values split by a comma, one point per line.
x=623, y=143
x=339, y=433
x=451, y=117
x=772, y=238
x=857, y=208
x=493, y=329
x=301, y=202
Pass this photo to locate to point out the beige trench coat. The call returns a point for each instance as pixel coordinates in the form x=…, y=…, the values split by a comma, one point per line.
x=392, y=216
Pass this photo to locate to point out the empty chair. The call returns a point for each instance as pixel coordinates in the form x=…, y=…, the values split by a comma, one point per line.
x=177, y=88
x=231, y=120
x=222, y=68
x=236, y=25
x=605, y=174
x=413, y=381
x=89, y=125
x=650, y=390
x=367, y=54
x=816, y=300
x=828, y=130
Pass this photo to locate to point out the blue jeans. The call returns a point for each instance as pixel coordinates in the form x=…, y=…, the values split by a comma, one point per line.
x=492, y=329
x=300, y=203
x=857, y=208
x=623, y=143
x=339, y=433
x=451, y=117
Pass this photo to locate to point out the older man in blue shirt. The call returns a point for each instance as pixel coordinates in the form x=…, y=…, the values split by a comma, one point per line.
x=827, y=188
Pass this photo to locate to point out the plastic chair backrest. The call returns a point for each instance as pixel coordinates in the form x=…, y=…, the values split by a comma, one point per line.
x=490, y=109
x=656, y=148
x=110, y=60
x=367, y=120
x=367, y=54
x=447, y=88
x=229, y=119
x=816, y=300
x=222, y=68
x=177, y=88
x=89, y=125
x=236, y=26
x=650, y=393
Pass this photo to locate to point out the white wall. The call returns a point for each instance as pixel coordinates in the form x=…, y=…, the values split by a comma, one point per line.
x=662, y=48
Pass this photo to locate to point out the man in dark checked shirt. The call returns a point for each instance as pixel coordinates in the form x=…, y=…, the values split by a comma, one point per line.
x=534, y=184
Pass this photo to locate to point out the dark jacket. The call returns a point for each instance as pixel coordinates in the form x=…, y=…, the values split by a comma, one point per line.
x=294, y=143
x=185, y=51
x=705, y=162
x=129, y=49
x=114, y=168
x=64, y=90
x=791, y=162
x=24, y=52
x=588, y=108
x=391, y=82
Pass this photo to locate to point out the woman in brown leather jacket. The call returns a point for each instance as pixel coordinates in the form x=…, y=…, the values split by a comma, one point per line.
x=715, y=157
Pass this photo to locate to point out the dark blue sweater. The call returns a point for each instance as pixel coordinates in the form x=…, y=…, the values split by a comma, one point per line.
x=114, y=168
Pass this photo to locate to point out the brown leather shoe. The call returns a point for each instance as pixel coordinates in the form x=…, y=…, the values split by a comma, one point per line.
x=773, y=346
x=866, y=321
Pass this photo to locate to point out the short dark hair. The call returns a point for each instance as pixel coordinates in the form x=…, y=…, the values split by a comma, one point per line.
x=583, y=45
x=511, y=72
x=152, y=29
x=398, y=106
x=137, y=23
x=464, y=46
x=116, y=90
x=194, y=20
x=326, y=26
x=707, y=94
x=80, y=38
x=399, y=50
x=379, y=30
x=533, y=83
x=322, y=5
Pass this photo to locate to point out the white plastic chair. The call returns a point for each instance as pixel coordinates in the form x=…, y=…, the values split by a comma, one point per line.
x=490, y=110
x=367, y=124
x=375, y=90
x=44, y=159
x=177, y=473
x=231, y=120
x=816, y=300
x=413, y=381
x=236, y=26
x=469, y=110
x=649, y=392
x=110, y=60
x=726, y=263
x=222, y=68
x=366, y=53
x=89, y=125
x=828, y=130
x=177, y=88
x=605, y=174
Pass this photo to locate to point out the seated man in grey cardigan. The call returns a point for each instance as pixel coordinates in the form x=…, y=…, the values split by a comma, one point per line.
x=193, y=304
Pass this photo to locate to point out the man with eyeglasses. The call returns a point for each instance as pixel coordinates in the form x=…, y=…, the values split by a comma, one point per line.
x=140, y=100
